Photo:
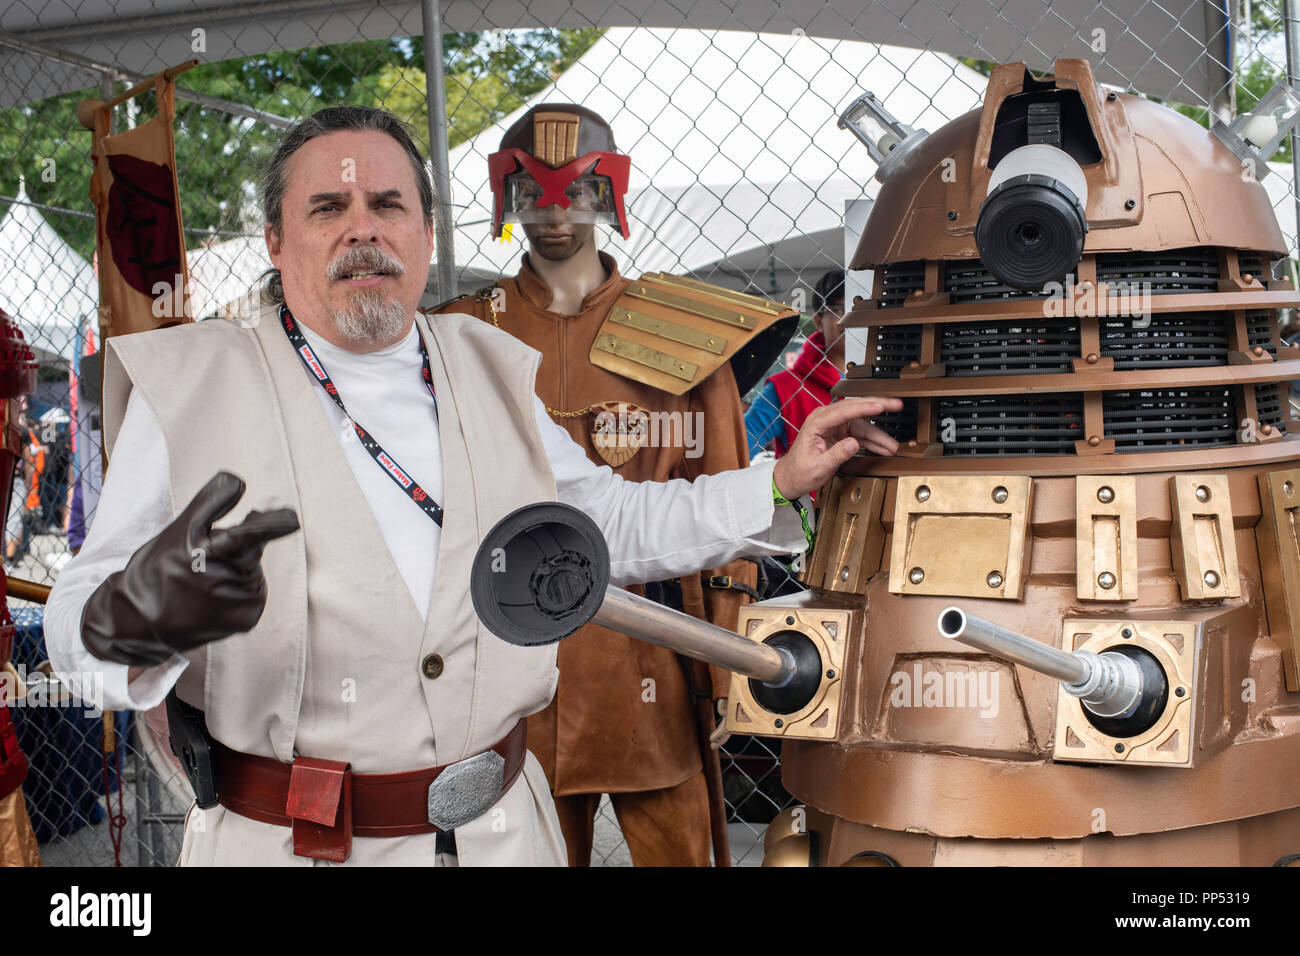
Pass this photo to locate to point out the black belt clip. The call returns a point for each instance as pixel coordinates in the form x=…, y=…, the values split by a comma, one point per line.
x=190, y=742
x=724, y=582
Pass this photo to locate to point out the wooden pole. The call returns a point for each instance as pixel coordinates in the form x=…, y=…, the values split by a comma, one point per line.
x=167, y=74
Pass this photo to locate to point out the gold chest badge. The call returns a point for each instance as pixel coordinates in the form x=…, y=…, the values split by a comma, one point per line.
x=618, y=430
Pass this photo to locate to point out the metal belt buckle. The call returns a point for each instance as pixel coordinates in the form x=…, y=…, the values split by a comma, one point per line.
x=466, y=789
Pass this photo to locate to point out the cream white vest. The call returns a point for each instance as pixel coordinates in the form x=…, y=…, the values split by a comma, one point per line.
x=333, y=668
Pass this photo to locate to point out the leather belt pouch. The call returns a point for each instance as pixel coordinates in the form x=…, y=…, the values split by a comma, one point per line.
x=320, y=804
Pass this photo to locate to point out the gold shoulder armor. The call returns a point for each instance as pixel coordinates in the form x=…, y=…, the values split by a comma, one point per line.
x=671, y=332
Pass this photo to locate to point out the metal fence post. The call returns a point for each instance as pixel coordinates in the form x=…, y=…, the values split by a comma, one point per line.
x=1291, y=30
x=436, y=94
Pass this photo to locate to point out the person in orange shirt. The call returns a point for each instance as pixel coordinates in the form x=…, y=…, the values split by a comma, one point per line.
x=34, y=458
x=20, y=527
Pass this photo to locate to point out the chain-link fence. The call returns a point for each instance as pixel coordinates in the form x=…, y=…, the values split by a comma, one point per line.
x=740, y=177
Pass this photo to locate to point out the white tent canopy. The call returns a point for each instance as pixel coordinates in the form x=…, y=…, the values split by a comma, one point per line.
x=224, y=274
x=734, y=175
x=45, y=284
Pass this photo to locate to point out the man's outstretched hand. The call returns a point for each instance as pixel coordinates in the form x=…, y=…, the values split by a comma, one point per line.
x=189, y=585
x=829, y=437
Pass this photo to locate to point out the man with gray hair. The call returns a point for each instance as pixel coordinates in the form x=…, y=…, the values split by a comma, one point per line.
x=327, y=664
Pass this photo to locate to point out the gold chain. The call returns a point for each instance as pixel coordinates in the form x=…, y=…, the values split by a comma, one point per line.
x=485, y=295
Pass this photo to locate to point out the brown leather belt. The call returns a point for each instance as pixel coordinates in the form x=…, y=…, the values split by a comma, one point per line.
x=330, y=804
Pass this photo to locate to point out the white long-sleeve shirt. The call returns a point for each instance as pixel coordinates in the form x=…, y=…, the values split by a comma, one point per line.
x=655, y=530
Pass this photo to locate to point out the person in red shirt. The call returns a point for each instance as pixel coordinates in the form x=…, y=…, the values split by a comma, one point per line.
x=790, y=396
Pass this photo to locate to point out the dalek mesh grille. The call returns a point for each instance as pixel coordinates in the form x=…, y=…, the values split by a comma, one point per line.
x=1009, y=348
x=1162, y=273
x=895, y=347
x=1171, y=340
x=1166, y=418
x=1259, y=330
x=898, y=281
x=1268, y=405
x=900, y=425
x=969, y=281
x=1049, y=425
x=1137, y=420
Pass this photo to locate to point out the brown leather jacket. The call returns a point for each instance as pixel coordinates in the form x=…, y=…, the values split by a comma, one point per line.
x=607, y=730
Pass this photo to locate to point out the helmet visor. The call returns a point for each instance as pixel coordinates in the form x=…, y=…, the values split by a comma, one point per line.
x=590, y=199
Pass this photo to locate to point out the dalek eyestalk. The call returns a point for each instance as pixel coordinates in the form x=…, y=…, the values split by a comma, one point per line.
x=1123, y=689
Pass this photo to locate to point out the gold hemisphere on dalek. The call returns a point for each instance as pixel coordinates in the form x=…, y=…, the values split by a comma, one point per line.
x=1063, y=623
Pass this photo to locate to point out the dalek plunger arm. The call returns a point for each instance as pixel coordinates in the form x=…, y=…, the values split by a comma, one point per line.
x=656, y=624
x=1121, y=688
x=542, y=572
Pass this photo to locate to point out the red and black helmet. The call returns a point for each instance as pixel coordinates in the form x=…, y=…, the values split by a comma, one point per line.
x=559, y=154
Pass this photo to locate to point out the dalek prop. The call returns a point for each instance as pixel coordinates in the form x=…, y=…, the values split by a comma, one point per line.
x=17, y=378
x=1062, y=625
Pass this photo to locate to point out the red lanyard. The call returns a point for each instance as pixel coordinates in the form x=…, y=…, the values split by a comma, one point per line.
x=372, y=447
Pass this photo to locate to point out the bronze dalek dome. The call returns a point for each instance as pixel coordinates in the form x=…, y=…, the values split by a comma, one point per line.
x=1158, y=335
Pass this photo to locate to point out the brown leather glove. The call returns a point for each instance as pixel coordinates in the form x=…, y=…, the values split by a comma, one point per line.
x=190, y=585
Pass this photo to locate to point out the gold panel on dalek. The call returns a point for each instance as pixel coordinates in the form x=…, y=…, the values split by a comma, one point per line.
x=1062, y=625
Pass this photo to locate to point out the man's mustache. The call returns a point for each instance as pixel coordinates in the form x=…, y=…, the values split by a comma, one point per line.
x=364, y=259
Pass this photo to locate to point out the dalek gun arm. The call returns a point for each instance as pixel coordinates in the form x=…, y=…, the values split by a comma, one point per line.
x=542, y=572
x=1124, y=687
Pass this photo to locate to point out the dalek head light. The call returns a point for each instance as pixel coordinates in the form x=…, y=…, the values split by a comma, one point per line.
x=1257, y=135
x=887, y=140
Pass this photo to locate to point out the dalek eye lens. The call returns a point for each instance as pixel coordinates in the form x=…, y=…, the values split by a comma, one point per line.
x=1031, y=224
x=1030, y=232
